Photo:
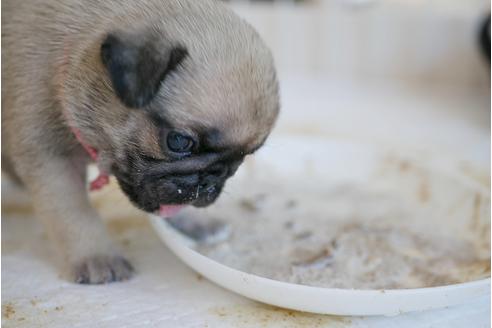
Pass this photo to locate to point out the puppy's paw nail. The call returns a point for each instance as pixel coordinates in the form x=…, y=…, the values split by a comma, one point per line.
x=102, y=269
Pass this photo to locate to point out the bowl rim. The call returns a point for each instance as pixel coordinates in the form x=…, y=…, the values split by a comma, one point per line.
x=382, y=301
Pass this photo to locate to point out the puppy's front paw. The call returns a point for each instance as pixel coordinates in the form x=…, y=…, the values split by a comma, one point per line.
x=102, y=269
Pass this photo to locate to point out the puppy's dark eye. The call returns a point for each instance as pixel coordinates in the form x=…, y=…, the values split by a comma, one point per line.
x=179, y=143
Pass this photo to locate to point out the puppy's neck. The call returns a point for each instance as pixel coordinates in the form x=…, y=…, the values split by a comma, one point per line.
x=103, y=178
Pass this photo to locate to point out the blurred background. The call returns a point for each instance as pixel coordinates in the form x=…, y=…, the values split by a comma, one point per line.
x=408, y=72
x=422, y=41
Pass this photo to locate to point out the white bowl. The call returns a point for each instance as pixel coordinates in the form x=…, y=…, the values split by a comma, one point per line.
x=347, y=161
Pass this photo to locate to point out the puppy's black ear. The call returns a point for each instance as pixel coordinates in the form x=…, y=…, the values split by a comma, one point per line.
x=137, y=68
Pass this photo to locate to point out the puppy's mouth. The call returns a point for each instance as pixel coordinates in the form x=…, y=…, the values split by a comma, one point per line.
x=200, y=199
x=167, y=196
x=166, y=211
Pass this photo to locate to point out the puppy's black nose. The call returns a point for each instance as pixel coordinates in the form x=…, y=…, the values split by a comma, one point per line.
x=217, y=170
x=212, y=176
x=187, y=180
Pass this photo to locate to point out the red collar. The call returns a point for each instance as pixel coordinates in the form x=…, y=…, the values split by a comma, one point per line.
x=90, y=150
x=103, y=178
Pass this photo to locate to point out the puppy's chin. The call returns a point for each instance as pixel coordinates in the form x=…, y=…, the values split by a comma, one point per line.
x=154, y=195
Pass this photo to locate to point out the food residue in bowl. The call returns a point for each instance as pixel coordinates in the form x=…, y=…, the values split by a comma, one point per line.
x=345, y=236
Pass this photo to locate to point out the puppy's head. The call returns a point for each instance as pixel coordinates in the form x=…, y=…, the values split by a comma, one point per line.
x=180, y=110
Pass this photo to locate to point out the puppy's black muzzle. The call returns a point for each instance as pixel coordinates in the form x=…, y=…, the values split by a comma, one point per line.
x=196, y=181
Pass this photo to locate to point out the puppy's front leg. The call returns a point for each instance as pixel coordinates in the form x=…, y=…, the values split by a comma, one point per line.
x=61, y=201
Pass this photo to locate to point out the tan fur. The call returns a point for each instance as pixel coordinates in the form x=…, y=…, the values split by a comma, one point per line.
x=52, y=72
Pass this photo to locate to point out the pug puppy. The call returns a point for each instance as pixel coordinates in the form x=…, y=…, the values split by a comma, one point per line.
x=169, y=96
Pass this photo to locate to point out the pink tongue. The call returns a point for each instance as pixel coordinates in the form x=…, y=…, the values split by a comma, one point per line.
x=166, y=211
